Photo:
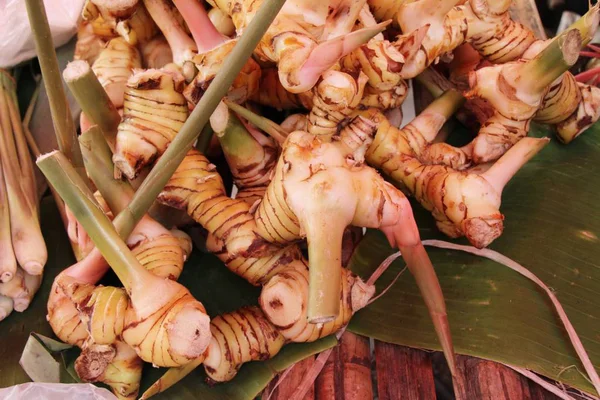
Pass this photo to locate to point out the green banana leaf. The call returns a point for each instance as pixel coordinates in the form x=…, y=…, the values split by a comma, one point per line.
x=552, y=227
x=205, y=276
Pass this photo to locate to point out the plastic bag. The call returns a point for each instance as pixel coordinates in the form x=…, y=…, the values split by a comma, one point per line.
x=16, y=42
x=56, y=391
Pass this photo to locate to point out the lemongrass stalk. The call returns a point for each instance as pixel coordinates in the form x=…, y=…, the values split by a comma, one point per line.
x=536, y=75
x=27, y=240
x=36, y=153
x=6, y=307
x=15, y=287
x=25, y=162
x=98, y=162
x=80, y=200
x=32, y=284
x=204, y=139
x=183, y=142
x=62, y=119
x=165, y=315
x=93, y=99
x=8, y=262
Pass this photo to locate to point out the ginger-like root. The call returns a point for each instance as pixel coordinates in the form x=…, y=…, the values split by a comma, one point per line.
x=208, y=63
x=139, y=28
x=114, y=66
x=222, y=22
x=416, y=138
x=493, y=33
x=284, y=301
x=336, y=96
x=159, y=250
x=128, y=18
x=587, y=113
x=239, y=337
x=570, y=105
x=156, y=53
x=252, y=195
x=301, y=201
x=177, y=324
x=273, y=94
x=516, y=91
x=88, y=44
x=102, y=28
x=101, y=308
x=250, y=154
x=198, y=188
x=115, y=365
x=447, y=30
x=383, y=61
x=166, y=16
x=301, y=57
x=113, y=10
x=154, y=112
x=463, y=203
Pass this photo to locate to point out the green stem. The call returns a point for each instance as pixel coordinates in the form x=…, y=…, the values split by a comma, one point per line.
x=435, y=115
x=62, y=119
x=435, y=82
x=93, y=99
x=238, y=145
x=80, y=200
x=31, y=106
x=177, y=150
x=536, y=75
x=262, y=123
x=204, y=139
x=588, y=24
x=98, y=163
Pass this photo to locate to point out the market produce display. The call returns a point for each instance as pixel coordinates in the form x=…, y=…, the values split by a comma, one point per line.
x=310, y=128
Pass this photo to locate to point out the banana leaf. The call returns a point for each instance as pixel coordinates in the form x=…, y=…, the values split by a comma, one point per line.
x=205, y=276
x=552, y=225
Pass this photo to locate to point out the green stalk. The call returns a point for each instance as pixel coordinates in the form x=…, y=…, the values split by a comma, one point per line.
x=536, y=75
x=93, y=99
x=436, y=114
x=204, y=139
x=62, y=119
x=262, y=123
x=434, y=82
x=239, y=146
x=588, y=24
x=98, y=163
x=177, y=150
x=80, y=200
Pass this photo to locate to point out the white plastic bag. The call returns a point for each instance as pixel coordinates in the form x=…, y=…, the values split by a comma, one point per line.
x=16, y=41
x=55, y=391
